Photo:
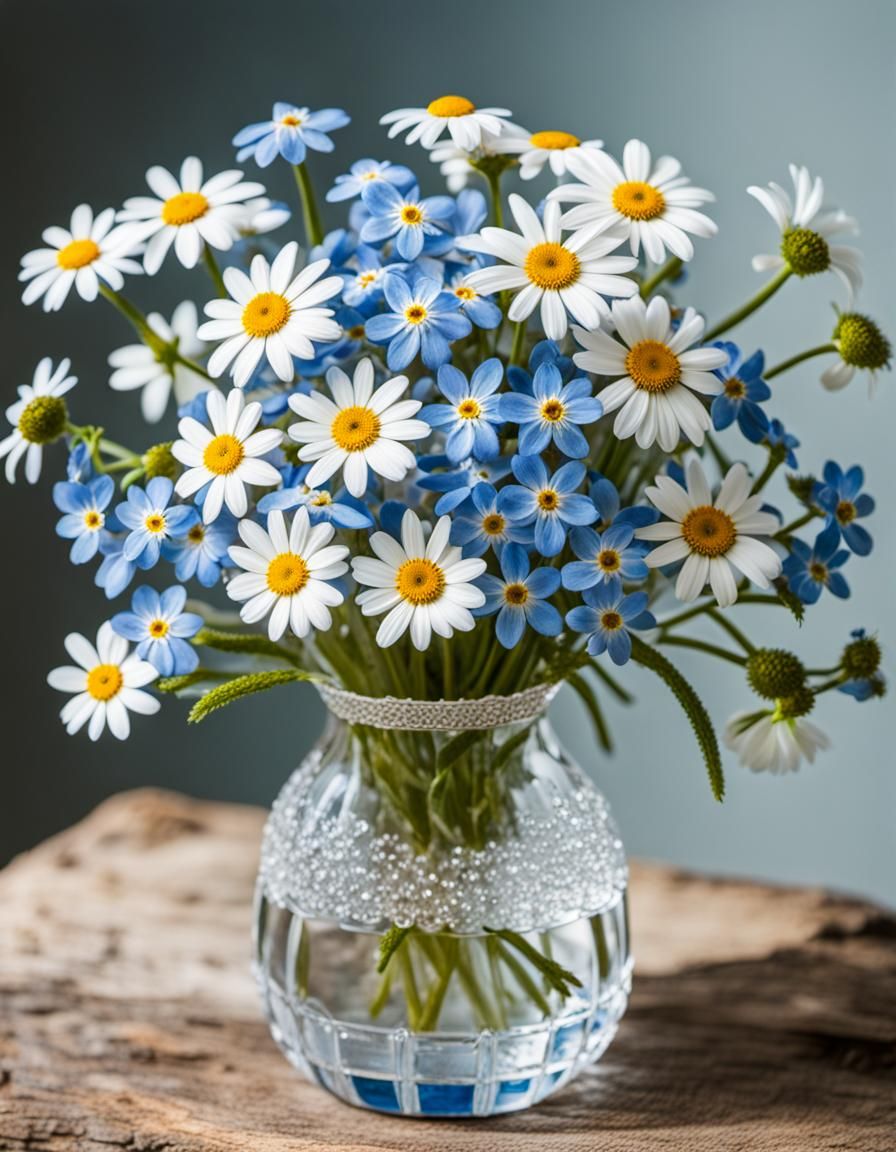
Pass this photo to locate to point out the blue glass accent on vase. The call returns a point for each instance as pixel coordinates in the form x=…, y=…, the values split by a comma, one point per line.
x=379, y=1094
x=446, y=1099
x=511, y=1090
x=567, y=1041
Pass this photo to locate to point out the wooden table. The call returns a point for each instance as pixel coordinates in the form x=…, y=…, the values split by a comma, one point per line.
x=762, y=1018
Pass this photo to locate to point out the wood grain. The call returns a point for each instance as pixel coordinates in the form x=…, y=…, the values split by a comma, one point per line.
x=761, y=1019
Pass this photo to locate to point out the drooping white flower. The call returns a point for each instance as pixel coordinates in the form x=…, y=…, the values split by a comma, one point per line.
x=464, y=122
x=288, y=574
x=714, y=538
x=657, y=371
x=773, y=741
x=272, y=313
x=653, y=206
x=807, y=227
x=227, y=456
x=359, y=429
x=189, y=212
x=137, y=366
x=562, y=276
x=556, y=149
x=107, y=683
x=38, y=417
x=460, y=165
x=861, y=347
x=89, y=251
x=424, y=586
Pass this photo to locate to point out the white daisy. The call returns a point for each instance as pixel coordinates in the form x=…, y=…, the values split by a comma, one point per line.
x=261, y=215
x=464, y=121
x=424, y=586
x=359, y=429
x=772, y=741
x=460, y=165
x=90, y=251
x=711, y=537
x=271, y=314
x=157, y=373
x=189, y=212
x=38, y=417
x=571, y=275
x=656, y=368
x=555, y=149
x=107, y=682
x=227, y=457
x=288, y=573
x=653, y=206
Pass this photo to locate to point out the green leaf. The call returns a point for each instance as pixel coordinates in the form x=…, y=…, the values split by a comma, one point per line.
x=243, y=686
x=621, y=694
x=586, y=694
x=791, y=601
x=175, y=684
x=246, y=642
x=693, y=707
x=507, y=749
x=390, y=942
x=458, y=746
x=558, y=977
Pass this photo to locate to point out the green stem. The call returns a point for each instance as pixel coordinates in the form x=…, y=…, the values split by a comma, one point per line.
x=448, y=670
x=314, y=232
x=668, y=271
x=214, y=271
x=820, y=350
x=133, y=315
x=519, y=342
x=733, y=631
x=494, y=183
x=790, y=528
x=702, y=646
x=764, y=293
x=772, y=465
x=723, y=461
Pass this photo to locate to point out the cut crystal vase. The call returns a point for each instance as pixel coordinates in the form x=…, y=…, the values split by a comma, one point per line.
x=441, y=924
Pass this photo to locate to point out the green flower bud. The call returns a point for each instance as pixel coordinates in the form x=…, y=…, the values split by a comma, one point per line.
x=861, y=658
x=860, y=342
x=801, y=487
x=158, y=461
x=805, y=251
x=43, y=420
x=775, y=672
x=791, y=707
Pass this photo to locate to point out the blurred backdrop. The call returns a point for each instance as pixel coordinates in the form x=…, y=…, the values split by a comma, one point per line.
x=96, y=91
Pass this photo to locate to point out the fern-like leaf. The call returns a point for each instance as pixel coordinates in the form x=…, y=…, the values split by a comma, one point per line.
x=245, y=642
x=390, y=942
x=243, y=686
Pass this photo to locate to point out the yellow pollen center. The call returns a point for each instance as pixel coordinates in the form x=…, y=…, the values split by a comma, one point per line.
x=818, y=571
x=104, y=681
x=451, y=106
x=355, y=429
x=356, y=332
x=287, y=574
x=223, y=455
x=78, y=254
x=184, y=208
x=415, y=314
x=321, y=499
x=554, y=140
x=371, y=176
x=158, y=629
x=493, y=524
x=638, y=201
x=420, y=581
x=846, y=512
x=516, y=593
x=94, y=519
x=735, y=389
x=155, y=523
x=653, y=366
x=196, y=534
x=469, y=409
x=551, y=266
x=611, y=621
x=608, y=560
x=411, y=214
x=708, y=531
x=465, y=293
x=291, y=121
x=366, y=279
x=548, y=500
x=552, y=410
x=265, y=314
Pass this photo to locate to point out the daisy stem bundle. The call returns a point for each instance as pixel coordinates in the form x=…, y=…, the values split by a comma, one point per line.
x=785, y=365
x=668, y=271
x=494, y=184
x=735, y=318
x=314, y=232
x=518, y=348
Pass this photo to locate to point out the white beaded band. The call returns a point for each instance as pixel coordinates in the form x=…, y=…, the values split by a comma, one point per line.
x=438, y=715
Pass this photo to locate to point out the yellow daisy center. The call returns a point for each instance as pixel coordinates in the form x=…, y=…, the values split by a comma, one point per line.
x=638, y=201
x=287, y=574
x=465, y=293
x=450, y=106
x=104, y=681
x=94, y=520
x=411, y=214
x=415, y=314
x=78, y=254
x=551, y=266
x=420, y=581
x=611, y=621
x=735, y=389
x=608, y=560
x=653, y=366
x=155, y=523
x=548, y=500
x=516, y=594
x=554, y=140
x=265, y=314
x=184, y=208
x=158, y=628
x=493, y=524
x=469, y=409
x=355, y=429
x=552, y=410
x=223, y=455
x=708, y=531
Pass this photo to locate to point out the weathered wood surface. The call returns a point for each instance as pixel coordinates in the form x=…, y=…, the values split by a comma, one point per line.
x=761, y=1018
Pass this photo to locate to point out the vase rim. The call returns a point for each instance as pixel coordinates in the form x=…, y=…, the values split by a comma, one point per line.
x=406, y=713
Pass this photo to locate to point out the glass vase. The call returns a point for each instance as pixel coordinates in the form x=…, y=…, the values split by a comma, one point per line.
x=441, y=924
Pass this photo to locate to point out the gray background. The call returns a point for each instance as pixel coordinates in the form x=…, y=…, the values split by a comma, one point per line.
x=95, y=91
